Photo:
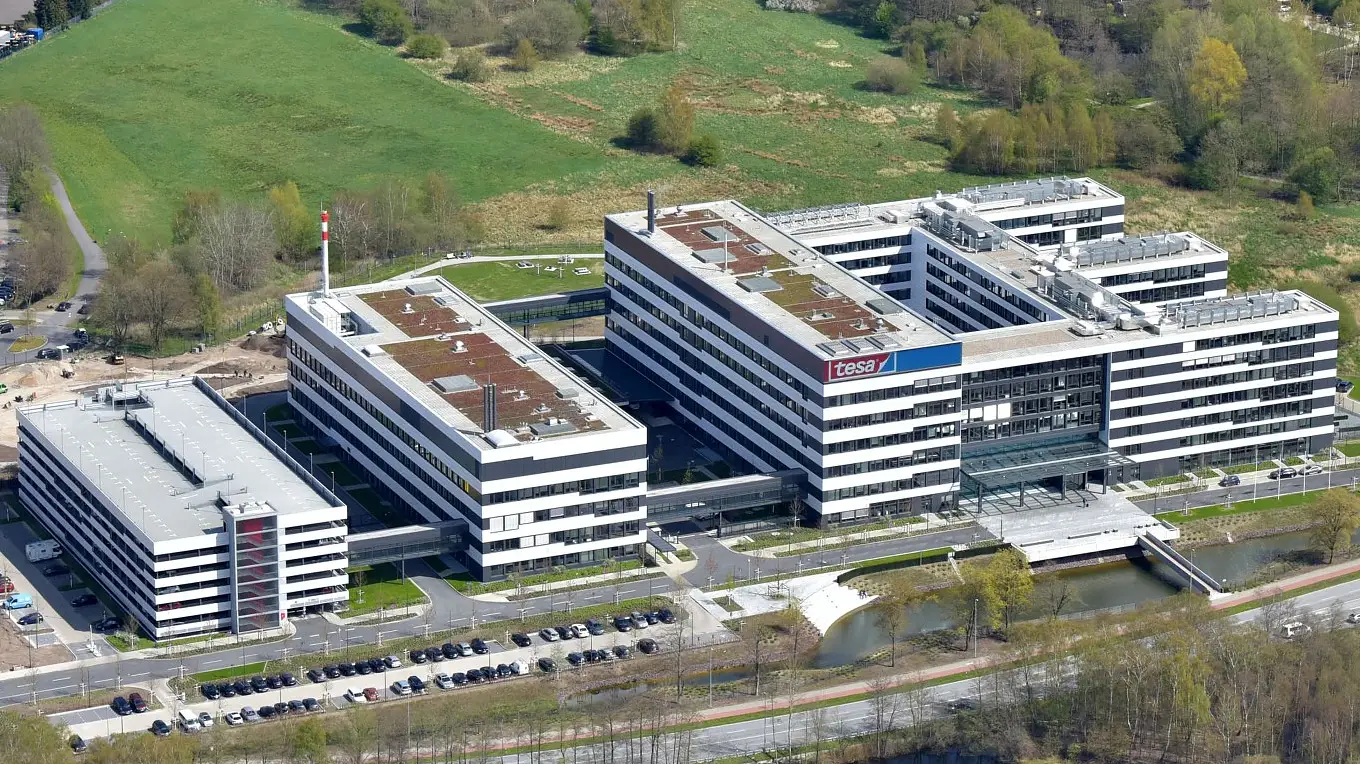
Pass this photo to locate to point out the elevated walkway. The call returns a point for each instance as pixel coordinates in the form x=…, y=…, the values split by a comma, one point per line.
x=408, y=542
x=562, y=306
x=703, y=500
x=1197, y=579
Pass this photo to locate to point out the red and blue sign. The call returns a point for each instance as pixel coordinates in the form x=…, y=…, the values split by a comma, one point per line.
x=915, y=359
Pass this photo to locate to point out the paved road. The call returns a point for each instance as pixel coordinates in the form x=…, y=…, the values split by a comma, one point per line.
x=1262, y=488
x=58, y=328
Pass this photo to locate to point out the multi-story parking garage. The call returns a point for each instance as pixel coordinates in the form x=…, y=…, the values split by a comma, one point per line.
x=188, y=516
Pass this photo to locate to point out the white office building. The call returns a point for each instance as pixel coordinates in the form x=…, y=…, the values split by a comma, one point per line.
x=915, y=355
x=455, y=417
x=185, y=513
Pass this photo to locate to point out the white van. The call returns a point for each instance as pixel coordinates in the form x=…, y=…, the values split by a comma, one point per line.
x=189, y=721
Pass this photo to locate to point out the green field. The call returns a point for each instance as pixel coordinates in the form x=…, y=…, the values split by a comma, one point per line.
x=383, y=588
x=158, y=96
x=488, y=282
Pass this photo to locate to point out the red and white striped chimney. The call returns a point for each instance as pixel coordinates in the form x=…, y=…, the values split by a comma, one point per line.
x=325, y=254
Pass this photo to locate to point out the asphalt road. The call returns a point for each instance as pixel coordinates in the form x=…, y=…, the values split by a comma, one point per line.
x=59, y=328
x=1261, y=489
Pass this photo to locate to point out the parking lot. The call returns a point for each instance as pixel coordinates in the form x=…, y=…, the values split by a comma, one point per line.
x=52, y=596
x=92, y=723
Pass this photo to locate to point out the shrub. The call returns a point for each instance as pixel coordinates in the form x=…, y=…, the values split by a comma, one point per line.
x=525, y=57
x=426, y=46
x=1318, y=173
x=1304, y=208
x=704, y=151
x=554, y=28
x=642, y=131
x=470, y=66
x=386, y=21
x=559, y=215
x=674, y=120
x=891, y=75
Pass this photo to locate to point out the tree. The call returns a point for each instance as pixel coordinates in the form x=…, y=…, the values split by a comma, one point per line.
x=891, y=608
x=947, y=126
x=51, y=13
x=208, y=304
x=704, y=151
x=525, y=57
x=884, y=20
x=23, y=148
x=192, y=209
x=887, y=74
x=1304, y=206
x=386, y=21
x=164, y=297
x=642, y=131
x=559, y=215
x=470, y=66
x=552, y=26
x=1055, y=593
x=292, y=223
x=116, y=308
x=236, y=243
x=1335, y=516
x=674, y=120
x=426, y=46
x=80, y=9
x=1319, y=173
x=1216, y=75
x=31, y=739
x=1006, y=587
x=309, y=742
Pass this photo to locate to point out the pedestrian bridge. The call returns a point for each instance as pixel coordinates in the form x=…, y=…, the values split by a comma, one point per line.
x=1187, y=571
x=408, y=542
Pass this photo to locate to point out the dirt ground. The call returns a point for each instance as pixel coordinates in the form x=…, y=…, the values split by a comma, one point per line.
x=14, y=652
x=254, y=362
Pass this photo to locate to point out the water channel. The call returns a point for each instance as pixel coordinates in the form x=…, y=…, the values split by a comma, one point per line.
x=1099, y=587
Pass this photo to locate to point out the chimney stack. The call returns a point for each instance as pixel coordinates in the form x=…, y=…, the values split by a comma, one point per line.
x=651, y=211
x=489, y=422
x=325, y=254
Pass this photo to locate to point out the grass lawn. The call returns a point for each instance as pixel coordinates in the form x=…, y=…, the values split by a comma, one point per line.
x=382, y=587
x=1240, y=469
x=1168, y=480
x=1351, y=450
x=489, y=282
x=142, y=103
x=1239, y=507
x=469, y=586
x=27, y=343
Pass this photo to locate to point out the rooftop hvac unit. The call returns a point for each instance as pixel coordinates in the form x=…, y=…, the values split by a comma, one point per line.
x=1084, y=329
x=407, y=308
x=459, y=347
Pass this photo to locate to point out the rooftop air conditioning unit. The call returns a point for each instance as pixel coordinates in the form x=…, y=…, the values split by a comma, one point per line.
x=459, y=347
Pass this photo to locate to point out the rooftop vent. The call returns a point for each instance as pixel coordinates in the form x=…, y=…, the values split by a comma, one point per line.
x=756, y=248
x=459, y=347
x=458, y=383
x=500, y=439
x=567, y=393
x=551, y=427
x=529, y=358
x=760, y=284
x=407, y=308
x=821, y=315
x=825, y=291
x=883, y=305
x=718, y=234
x=834, y=349
x=373, y=350
x=424, y=287
x=541, y=408
x=714, y=255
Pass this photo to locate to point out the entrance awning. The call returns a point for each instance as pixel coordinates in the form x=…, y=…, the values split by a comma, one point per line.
x=1030, y=461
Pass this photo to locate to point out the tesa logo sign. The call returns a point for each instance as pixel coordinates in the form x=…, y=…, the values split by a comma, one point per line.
x=864, y=366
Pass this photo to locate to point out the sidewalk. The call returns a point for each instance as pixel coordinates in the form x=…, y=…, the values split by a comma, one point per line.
x=1285, y=585
x=534, y=590
x=831, y=542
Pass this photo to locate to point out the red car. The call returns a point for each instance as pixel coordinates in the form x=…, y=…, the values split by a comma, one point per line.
x=6, y=586
x=138, y=704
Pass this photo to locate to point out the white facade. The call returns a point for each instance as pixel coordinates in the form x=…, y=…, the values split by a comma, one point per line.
x=560, y=481
x=163, y=549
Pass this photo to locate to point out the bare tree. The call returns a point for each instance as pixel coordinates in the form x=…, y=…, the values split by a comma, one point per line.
x=165, y=297
x=236, y=243
x=353, y=227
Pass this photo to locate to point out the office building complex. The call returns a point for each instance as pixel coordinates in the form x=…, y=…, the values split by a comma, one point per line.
x=455, y=417
x=913, y=356
x=184, y=512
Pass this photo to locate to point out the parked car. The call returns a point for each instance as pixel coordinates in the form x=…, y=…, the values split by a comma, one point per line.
x=310, y=704
x=443, y=681
x=547, y=665
x=479, y=647
x=371, y=694
x=418, y=656
x=120, y=706
x=464, y=649
x=1230, y=480
x=347, y=669
x=274, y=682
x=549, y=635
x=1344, y=385
x=160, y=728
x=243, y=688
x=266, y=712
x=363, y=668
x=563, y=632
x=416, y=684
x=392, y=662
x=355, y=695
x=78, y=744
x=578, y=630
x=377, y=665
x=652, y=618
x=623, y=623
x=434, y=654
x=576, y=659
x=32, y=619
x=332, y=671
x=227, y=690
x=249, y=714
x=19, y=601
x=55, y=570
x=83, y=600
x=233, y=719
x=623, y=651
x=594, y=627
x=1311, y=469
x=316, y=675
x=210, y=691
x=400, y=687
x=1283, y=473
x=260, y=684
x=63, y=306
x=205, y=719
x=288, y=679
x=521, y=640
x=296, y=706
x=458, y=677
x=639, y=620
x=648, y=646
x=138, y=703
x=666, y=615
x=449, y=650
